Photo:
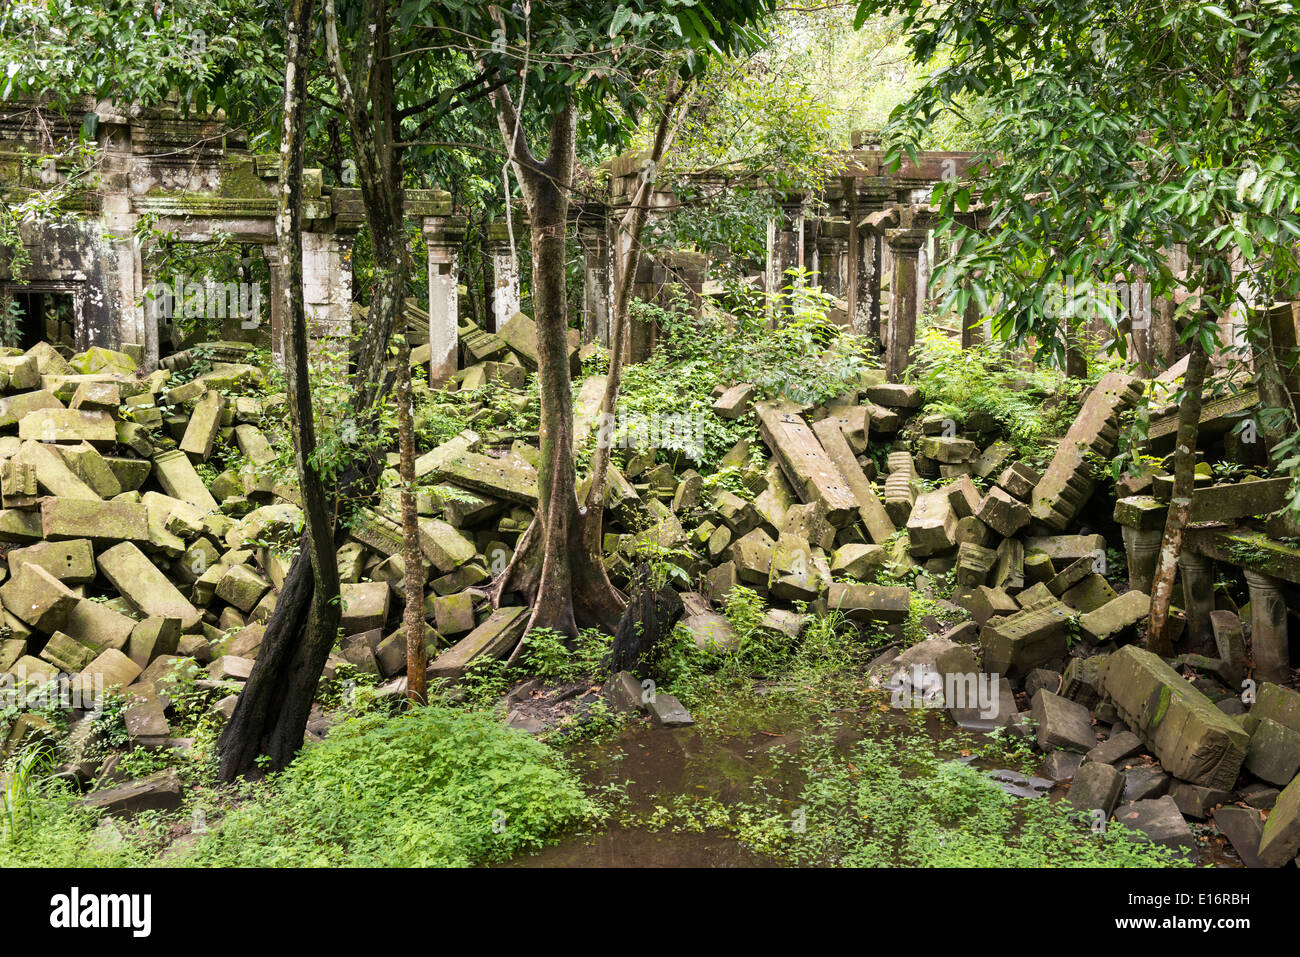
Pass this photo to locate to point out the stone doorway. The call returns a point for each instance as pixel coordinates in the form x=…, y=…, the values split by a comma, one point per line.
x=39, y=315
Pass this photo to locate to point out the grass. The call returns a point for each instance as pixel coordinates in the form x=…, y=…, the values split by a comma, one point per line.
x=42, y=823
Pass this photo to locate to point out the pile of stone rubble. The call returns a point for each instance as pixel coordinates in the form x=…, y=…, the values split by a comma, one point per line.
x=129, y=554
x=1129, y=736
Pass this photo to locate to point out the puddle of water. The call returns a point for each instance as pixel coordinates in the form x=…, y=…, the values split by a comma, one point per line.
x=635, y=847
x=654, y=767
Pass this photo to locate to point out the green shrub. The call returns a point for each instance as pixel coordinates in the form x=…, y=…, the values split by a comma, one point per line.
x=43, y=823
x=434, y=787
x=985, y=386
x=806, y=357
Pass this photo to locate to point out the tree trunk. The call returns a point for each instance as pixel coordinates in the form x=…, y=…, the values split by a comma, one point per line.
x=417, y=658
x=625, y=268
x=552, y=569
x=1180, y=506
x=272, y=711
x=273, y=708
x=1076, y=359
x=1271, y=379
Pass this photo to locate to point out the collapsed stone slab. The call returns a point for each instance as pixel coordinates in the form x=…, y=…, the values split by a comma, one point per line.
x=494, y=638
x=1192, y=739
x=139, y=581
x=1068, y=483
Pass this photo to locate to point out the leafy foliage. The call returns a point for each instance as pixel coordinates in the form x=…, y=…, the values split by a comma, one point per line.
x=991, y=389
x=805, y=357
x=898, y=800
x=1119, y=133
x=200, y=54
x=434, y=787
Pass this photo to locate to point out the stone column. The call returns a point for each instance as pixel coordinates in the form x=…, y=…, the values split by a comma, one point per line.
x=972, y=325
x=864, y=289
x=832, y=257
x=1197, y=573
x=687, y=270
x=785, y=250
x=442, y=235
x=597, y=294
x=875, y=270
x=128, y=289
x=158, y=305
x=1165, y=347
x=1268, y=627
x=647, y=281
x=924, y=267
x=972, y=321
x=116, y=317
x=1141, y=548
x=505, y=274
x=274, y=269
x=905, y=244
x=1283, y=326
x=852, y=253
x=871, y=194
x=327, y=296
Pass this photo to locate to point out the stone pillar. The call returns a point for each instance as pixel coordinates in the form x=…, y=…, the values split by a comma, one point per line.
x=647, y=281
x=972, y=325
x=972, y=321
x=327, y=296
x=1197, y=573
x=597, y=293
x=924, y=264
x=870, y=195
x=276, y=272
x=1136, y=299
x=1165, y=346
x=785, y=250
x=1142, y=548
x=864, y=287
x=832, y=257
x=905, y=244
x=1285, y=334
x=158, y=305
x=442, y=235
x=687, y=270
x=128, y=289
x=875, y=271
x=1268, y=628
x=505, y=274
x=852, y=255
x=328, y=286
x=939, y=252
x=123, y=298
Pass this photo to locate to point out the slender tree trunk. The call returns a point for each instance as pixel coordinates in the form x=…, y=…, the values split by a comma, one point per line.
x=417, y=657
x=633, y=226
x=1217, y=291
x=1076, y=359
x=276, y=701
x=272, y=712
x=1270, y=379
x=366, y=97
x=551, y=569
x=1180, y=506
